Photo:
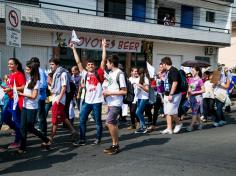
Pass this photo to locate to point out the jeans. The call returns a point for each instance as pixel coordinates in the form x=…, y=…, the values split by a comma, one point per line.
x=28, y=117
x=1, y=117
x=152, y=118
x=182, y=110
x=47, y=108
x=84, y=113
x=157, y=107
x=42, y=117
x=133, y=116
x=219, y=111
x=208, y=107
x=140, y=110
x=12, y=118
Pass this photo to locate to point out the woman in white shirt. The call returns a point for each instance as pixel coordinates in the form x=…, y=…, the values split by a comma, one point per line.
x=142, y=95
x=30, y=106
x=220, y=98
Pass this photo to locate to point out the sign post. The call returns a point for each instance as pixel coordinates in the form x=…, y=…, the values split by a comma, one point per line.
x=13, y=27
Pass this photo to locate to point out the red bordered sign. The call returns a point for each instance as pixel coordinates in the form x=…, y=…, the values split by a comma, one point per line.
x=13, y=18
x=13, y=26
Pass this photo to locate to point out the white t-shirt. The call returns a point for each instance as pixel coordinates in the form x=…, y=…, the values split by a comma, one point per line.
x=134, y=81
x=30, y=103
x=141, y=93
x=115, y=100
x=209, y=90
x=93, y=87
x=55, y=97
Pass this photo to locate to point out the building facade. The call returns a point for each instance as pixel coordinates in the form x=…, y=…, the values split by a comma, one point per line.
x=138, y=30
x=227, y=54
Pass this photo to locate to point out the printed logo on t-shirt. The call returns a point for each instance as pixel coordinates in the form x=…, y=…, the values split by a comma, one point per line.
x=166, y=83
x=92, y=82
x=110, y=81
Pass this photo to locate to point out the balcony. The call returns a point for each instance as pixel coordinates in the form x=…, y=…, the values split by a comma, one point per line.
x=54, y=19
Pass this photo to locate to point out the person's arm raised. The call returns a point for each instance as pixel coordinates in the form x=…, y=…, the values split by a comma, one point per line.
x=77, y=58
x=103, y=62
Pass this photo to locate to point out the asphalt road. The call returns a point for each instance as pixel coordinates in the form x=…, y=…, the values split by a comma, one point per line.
x=207, y=152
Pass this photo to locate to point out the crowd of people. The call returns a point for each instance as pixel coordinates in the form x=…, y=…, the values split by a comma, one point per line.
x=170, y=93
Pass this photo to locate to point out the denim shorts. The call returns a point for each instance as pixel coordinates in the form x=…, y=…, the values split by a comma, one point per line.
x=113, y=113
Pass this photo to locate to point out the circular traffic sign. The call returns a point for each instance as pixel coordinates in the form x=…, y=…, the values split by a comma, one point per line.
x=13, y=18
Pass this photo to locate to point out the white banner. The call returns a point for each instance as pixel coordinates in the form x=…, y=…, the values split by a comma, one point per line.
x=15, y=96
x=94, y=42
x=13, y=27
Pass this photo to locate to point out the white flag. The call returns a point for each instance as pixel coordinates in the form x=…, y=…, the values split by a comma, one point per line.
x=74, y=38
x=15, y=96
x=151, y=70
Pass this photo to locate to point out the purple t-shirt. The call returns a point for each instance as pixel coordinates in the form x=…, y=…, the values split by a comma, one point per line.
x=195, y=84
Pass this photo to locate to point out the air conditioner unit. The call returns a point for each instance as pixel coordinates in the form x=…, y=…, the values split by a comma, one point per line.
x=210, y=50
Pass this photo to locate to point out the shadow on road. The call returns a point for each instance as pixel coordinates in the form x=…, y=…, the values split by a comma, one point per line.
x=37, y=163
x=146, y=142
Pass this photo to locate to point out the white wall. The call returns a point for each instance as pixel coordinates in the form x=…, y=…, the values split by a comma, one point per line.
x=109, y=24
x=227, y=55
x=181, y=52
x=87, y=4
x=31, y=37
x=24, y=54
x=234, y=11
x=34, y=44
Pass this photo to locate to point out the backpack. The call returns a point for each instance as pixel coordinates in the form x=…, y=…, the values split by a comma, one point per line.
x=184, y=82
x=129, y=97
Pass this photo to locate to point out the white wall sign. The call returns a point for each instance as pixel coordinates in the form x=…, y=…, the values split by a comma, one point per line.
x=95, y=42
x=13, y=27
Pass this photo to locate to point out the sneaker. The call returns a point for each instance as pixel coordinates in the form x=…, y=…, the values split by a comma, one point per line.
x=141, y=130
x=221, y=123
x=96, y=142
x=200, y=126
x=215, y=124
x=114, y=149
x=167, y=131
x=13, y=145
x=189, y=128
x=177, y=128
x=132, y=127
x=79, y=143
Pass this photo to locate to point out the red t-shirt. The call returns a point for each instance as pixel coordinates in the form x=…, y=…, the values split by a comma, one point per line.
x=20, y=81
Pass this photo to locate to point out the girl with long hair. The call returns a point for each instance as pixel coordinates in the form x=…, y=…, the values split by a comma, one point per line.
x=142, y=95
x=195, y=90
x=12, y=115
x=30, y=105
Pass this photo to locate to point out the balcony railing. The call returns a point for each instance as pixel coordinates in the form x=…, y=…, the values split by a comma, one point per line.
x=80, y=10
